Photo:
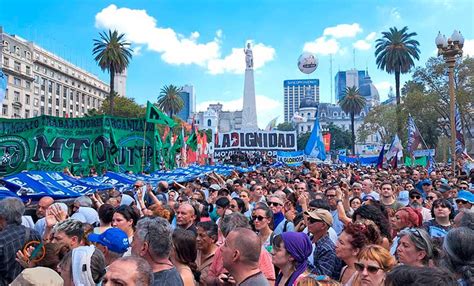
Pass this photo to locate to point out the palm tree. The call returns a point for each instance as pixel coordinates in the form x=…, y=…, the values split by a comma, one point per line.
x=169, y=100
x=395, y=53
x=352, y=103
x=112, y=53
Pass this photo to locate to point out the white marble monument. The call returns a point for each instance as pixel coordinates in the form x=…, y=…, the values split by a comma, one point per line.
x=249, y=112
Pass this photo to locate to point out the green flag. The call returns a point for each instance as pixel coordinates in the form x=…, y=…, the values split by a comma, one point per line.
x=166, y=150
x=113, y=143
x=157, y=154
x=155, y=115
x=192, y=141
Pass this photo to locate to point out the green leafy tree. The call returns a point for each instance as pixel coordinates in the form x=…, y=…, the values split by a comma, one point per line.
x=352, y=103
x=124, y=107
x=302, y=140
x=379, y=121
x=169, y=100
x=113, y=54
x=395, y=53
x=340, y=139
x=285, y=126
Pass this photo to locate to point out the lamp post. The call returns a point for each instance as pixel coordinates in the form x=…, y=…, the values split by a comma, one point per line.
x=450, y=49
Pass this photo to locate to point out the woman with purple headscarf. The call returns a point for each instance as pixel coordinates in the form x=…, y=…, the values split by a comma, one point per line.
x=290, y=254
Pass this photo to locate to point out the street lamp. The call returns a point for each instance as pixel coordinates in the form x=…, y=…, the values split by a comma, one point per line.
x=450, y=49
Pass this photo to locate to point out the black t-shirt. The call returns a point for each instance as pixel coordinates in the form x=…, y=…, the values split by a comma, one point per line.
x=168, y=277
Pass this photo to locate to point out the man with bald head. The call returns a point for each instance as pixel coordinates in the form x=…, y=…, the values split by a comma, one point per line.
x=241, y=253
x=43, y=204
x=186, y=217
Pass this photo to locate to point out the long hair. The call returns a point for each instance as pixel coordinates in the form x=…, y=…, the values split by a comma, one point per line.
x=184, y=244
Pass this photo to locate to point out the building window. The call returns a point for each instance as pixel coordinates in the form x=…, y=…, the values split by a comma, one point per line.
x=27, y=55
x=6, y=61
x=36, y=102
x=17, y=81
x=334, y=114
x=27, y=113
x=4, y=109
x=28, y=84
x=57, y=101
x=37, y=79
x=50, y=86
x=50, y=111
x=36, y=90
x=57, y=112
x=209, y=122
x=17, y=51
x=58, y=89
x=35, y=112
x=6, y=46
x=50, y=99
x=27, y=98
x=16, y=96
x=28, y=70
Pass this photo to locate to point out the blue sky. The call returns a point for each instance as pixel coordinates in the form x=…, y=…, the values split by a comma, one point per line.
x=200, y=42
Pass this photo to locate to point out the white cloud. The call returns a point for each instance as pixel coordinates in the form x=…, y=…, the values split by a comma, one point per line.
x=383, y=87
x=142, y=29
x=322, y=46
x=136, y=51
x=468, y=49
x=343, y=30
x=362, y=45
x=371, y=36
x=395, y=14
x=235, y=62
x=267, y=107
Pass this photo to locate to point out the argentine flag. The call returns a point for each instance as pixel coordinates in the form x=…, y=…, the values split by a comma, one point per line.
x=315, y=146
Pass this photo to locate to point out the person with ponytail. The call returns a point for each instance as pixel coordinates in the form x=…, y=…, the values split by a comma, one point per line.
x=184, y=254
x=406, y=217
x=290, y=253
x=459, y=254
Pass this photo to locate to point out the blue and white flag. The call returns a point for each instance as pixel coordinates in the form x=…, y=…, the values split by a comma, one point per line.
x=460, y=144
x=315, y=145
x=396, y=149
x=3, y=85
x=292, y=159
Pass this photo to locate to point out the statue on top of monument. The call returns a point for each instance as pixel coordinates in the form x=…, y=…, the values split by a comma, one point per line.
x=248, y=56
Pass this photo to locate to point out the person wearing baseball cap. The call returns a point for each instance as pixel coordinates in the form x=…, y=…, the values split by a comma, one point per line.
x=465, y=200
x=324, y=255
x=113, y=243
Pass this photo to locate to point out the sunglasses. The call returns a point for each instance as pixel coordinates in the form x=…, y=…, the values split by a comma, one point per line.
x=370, y=268
x=461, y=202
x=415, y=197
x=313, y=220
x=430, y=198
x=463, y=188
x=259, y=218
x=274, y=204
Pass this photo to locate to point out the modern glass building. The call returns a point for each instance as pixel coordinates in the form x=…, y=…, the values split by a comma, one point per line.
x=348, y=78
x=294, y=91
x=189, y=107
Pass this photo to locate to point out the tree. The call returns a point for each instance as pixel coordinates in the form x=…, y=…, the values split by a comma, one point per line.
x=340, y=139
x=394, y=53
x=302, y=140
x=125, y=107
x=352, y=103
x=285, y=126
x=169, y=100
x=112, y=53
x=379, y=121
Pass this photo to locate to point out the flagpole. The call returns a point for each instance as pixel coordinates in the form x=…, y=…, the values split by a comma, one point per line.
x=143, y=149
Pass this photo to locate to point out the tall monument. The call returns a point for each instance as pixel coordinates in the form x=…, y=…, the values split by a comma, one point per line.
x=120, y=83
x=249, y=112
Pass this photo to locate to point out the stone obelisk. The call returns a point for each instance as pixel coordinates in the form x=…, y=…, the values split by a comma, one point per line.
x=249, y=112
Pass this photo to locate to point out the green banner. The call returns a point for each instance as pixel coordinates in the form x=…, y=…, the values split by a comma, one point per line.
x=54, y=143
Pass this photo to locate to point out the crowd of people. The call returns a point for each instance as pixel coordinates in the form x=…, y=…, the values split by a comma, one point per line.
x=308, y=225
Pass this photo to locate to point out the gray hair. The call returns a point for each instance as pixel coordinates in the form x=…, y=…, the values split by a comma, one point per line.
x=84, y=201
x=459, y=252
x=157, y=232
x=144, y=275
x=232, y=221
x=422, y=241
x=70, y=227
x=12, y=209
x=467, y=219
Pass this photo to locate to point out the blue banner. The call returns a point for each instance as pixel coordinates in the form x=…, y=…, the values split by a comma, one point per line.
x=292, y=159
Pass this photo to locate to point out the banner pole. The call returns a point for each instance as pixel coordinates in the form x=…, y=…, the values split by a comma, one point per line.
x=143, y=149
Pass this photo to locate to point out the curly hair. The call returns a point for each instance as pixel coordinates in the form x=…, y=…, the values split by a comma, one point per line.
x=159, y=210
x=376, y=215
x=363, y=233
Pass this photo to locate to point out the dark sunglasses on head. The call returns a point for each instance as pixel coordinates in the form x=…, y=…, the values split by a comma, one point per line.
x=415, y=197
x=275, y=204
x=370, y=268
x=258, y=217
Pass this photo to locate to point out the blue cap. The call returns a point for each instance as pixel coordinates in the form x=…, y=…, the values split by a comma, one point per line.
x=114, y=239
x=403, y=198
x=466, y=196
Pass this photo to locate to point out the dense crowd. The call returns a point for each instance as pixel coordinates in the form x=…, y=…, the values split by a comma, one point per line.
x=308, y=225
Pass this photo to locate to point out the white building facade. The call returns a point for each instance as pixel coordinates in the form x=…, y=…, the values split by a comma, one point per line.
x=39, y=82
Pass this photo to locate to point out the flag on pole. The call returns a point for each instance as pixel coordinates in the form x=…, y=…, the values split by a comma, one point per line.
x=3, y=85
x=315, y=145
x=414, y=136
x=431, y=164
x=460, y=144
x=396, y=149
x=272, y=124
x=155, y=115
x=380, y=158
